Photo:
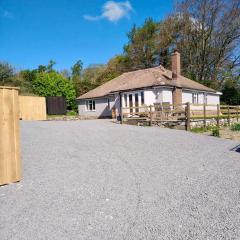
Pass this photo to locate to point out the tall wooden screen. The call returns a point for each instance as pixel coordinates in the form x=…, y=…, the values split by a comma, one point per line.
x=10, y=166
x=56, y=106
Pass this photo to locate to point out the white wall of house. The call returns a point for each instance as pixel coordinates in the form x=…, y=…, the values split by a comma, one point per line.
x=102, y=109
x=200, y=98
x=167, y=95
x=150, y=96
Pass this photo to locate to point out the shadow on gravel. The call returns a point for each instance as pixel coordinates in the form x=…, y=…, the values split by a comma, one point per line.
x=236, y=149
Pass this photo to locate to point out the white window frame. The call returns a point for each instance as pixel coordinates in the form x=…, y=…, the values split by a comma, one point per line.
x=90, y=103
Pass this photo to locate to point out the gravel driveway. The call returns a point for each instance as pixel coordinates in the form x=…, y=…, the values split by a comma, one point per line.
x=100, y=180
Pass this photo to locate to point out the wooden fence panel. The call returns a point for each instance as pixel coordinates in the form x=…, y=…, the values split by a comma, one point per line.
x=56, y=105
x=32, y=108
x=10, y=165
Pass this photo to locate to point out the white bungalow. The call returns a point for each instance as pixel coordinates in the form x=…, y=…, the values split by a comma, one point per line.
x=145, y=87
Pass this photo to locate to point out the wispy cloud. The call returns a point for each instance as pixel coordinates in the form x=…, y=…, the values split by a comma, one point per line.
x=7, y=14
x=113, y=11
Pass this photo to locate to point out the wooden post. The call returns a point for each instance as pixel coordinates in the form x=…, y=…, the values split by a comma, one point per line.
x=188, y=117
x=150, y=123
x=237, y=113
x=228, y=116
x=218, y=115
x=121, y=108
x=204, y=116
x=121, y=116
x=10, y=166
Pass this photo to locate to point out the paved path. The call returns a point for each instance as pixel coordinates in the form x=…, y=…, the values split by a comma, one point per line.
x=99, y=180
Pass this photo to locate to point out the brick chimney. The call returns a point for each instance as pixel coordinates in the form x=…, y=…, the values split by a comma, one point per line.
x=176, y=72
x=176, y=64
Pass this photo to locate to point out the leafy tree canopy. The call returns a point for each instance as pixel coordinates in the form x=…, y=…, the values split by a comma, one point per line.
x=6, y=73
x=54, y=84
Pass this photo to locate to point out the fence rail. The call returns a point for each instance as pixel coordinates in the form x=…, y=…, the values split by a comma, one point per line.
x=183, y=113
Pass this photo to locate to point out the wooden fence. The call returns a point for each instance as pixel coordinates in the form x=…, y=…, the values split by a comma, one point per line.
x=56, y=106
x=10, y=166
x=32, y=108
x=180, y=113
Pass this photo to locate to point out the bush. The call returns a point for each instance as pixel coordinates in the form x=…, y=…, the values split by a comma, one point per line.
x=54, y=84
x=235, y=127
x=215, y=132
x=71, y=113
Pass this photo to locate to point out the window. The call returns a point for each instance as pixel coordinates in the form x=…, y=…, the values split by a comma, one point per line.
x=142, y=98
x=195, y=98
x=90, y=105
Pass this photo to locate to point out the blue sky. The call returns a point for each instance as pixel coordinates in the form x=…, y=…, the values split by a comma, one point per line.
x=34, y=31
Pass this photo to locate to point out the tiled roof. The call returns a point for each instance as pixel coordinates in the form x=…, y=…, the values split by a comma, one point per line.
x=157, y=76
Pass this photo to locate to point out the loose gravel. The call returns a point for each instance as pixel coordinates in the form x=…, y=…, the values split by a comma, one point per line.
x=100, y=180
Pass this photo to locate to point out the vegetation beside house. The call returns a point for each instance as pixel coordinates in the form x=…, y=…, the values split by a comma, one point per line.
x=207, y=34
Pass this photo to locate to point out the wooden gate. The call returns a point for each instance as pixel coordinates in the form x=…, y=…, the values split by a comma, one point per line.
x=10, y=166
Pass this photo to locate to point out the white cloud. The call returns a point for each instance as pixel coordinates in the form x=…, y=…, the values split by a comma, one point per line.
x=113, y=11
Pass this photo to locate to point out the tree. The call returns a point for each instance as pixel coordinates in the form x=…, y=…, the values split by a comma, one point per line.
x=24, y=79
x=42, y=68
x=54, y=84
x=77, y=69
x=76, y=75
x=231, y=89
x=50, y=65
x=115, y=67
x=6, y=73
x=92, y=72
x=208, y=36
x=142, y=49
x=85, y=86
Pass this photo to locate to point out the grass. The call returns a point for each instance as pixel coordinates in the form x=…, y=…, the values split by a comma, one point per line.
x=235, y=127
x=202, y=129
x=71, y=113
x=215, y=132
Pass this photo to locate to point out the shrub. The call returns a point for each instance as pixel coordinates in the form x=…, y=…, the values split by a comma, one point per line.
x=235, y=127
x=54, y=84
x=215, y=132
x=72, y=113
